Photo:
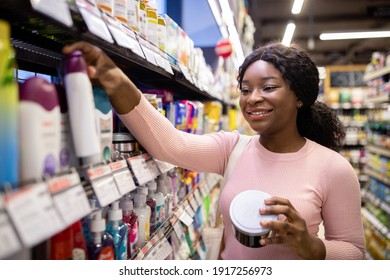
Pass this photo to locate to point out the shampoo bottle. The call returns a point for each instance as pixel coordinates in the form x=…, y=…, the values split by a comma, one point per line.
x=158, y=198
x=40, y=128
x=164, y=185
x=131, y=220
x=9, y=152
x=81, y=109
x=118, y=230
x=102, y=246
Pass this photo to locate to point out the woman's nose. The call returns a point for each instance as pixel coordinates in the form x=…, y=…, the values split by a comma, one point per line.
x=255, y=96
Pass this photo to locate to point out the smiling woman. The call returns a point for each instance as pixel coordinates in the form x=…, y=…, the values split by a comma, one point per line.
x=292, y=158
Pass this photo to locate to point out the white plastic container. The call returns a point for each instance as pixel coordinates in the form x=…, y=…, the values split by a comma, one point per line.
x=81, y=107
x=245, y=217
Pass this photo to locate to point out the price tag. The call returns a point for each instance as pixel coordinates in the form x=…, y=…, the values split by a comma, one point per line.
x=135, y=45
x=57, y=9
x=32, y=211
x=94, y=20
x=152, y=166
x=185, y=72
x=140, y=170
x=161, y=251
x=9, y=243
x=159, y=60
x=69, y=197
x=148, y=53
x=186, y=218
x=189, y=209
x=122, y=176
x=103, y=185
x=117, y=32
x=163, y=166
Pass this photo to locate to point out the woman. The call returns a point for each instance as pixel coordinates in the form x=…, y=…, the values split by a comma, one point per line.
x=293, y=157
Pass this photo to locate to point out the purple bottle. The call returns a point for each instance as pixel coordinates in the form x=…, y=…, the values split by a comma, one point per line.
x=102, y=246
x=39, y=122
x=131, y=220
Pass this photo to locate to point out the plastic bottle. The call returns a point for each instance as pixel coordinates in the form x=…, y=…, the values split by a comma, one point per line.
x=130, y=218
x=151, y=202
x=143, y=212
x=118, y=230
x=164, y=185
x=9, y=139
x=158, y=197
x=86, y=221
x=40, y=128
x=81, y=109
x=104, y=119
x=102, y=246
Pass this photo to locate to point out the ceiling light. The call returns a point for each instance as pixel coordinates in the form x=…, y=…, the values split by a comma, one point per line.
x=288, y=34
x=297, y=7
x=354, y=35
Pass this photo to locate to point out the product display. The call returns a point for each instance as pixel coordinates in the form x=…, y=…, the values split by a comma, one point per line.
x=141, y=208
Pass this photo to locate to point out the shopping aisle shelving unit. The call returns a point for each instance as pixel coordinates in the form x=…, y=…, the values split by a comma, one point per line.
x=38, y=38
x=376, y=194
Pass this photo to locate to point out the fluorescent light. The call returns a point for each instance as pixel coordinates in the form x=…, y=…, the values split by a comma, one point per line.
x=288, y=34
x=354, y=35
x=297, y=7
x=218, y=19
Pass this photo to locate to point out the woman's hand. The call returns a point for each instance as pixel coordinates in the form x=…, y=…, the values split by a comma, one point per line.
x=291, y=230
x=124, y=95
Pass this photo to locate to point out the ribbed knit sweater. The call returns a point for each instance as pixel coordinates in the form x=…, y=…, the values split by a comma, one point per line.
x=320, y=183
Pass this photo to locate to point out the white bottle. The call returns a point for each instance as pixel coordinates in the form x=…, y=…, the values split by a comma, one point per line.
x=40, y=128
x=143, y=212
x=164, y=185
x=81, y=109
x=160, y=203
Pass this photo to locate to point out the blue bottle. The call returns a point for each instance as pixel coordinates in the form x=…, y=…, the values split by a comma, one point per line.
x=118, y=230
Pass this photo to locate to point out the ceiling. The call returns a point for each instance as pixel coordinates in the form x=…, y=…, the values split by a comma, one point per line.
x=270, y=18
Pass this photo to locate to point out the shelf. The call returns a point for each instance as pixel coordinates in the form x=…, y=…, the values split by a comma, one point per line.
x=379, y=99
x=39, y=39
x=376, y=223
x=376, y=201
x=377, y=175
x=376, y=74
x=378, y=150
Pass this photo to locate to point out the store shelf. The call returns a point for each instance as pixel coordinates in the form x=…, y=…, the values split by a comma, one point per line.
x=378, y=99
x=376, y=74
x=376, y=201
x=376, y=223
x=39, y=39
x=379, y=176
x=378, y=150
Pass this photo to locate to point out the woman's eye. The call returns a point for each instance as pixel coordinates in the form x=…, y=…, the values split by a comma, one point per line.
x=245, y=91
x=269, y=88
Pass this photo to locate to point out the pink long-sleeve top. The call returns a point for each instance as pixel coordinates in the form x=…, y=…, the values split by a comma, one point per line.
x=319, y=182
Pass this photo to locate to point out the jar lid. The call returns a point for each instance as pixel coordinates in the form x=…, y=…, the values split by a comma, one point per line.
x=245, y=215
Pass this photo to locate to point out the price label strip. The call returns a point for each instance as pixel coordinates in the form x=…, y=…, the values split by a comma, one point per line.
x=135, y=45
x=115, y=28
x=148, y=53
x=140, y=170
x=163, y=166
x=94, y=21
x=33, y=214
x=69, y=197
x=104, y=185
x=56, y=9
x=186, y=218
x=122, y=176
x=9, y=242
x=152, y=166
x=160, y=251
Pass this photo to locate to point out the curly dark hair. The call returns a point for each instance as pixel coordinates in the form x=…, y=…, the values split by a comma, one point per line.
x=315, y=120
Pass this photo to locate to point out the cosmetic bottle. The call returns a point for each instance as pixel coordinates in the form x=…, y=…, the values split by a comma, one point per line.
x=118, y=230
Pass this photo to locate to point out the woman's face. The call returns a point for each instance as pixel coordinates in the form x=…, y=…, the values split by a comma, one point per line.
x=267, y=102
